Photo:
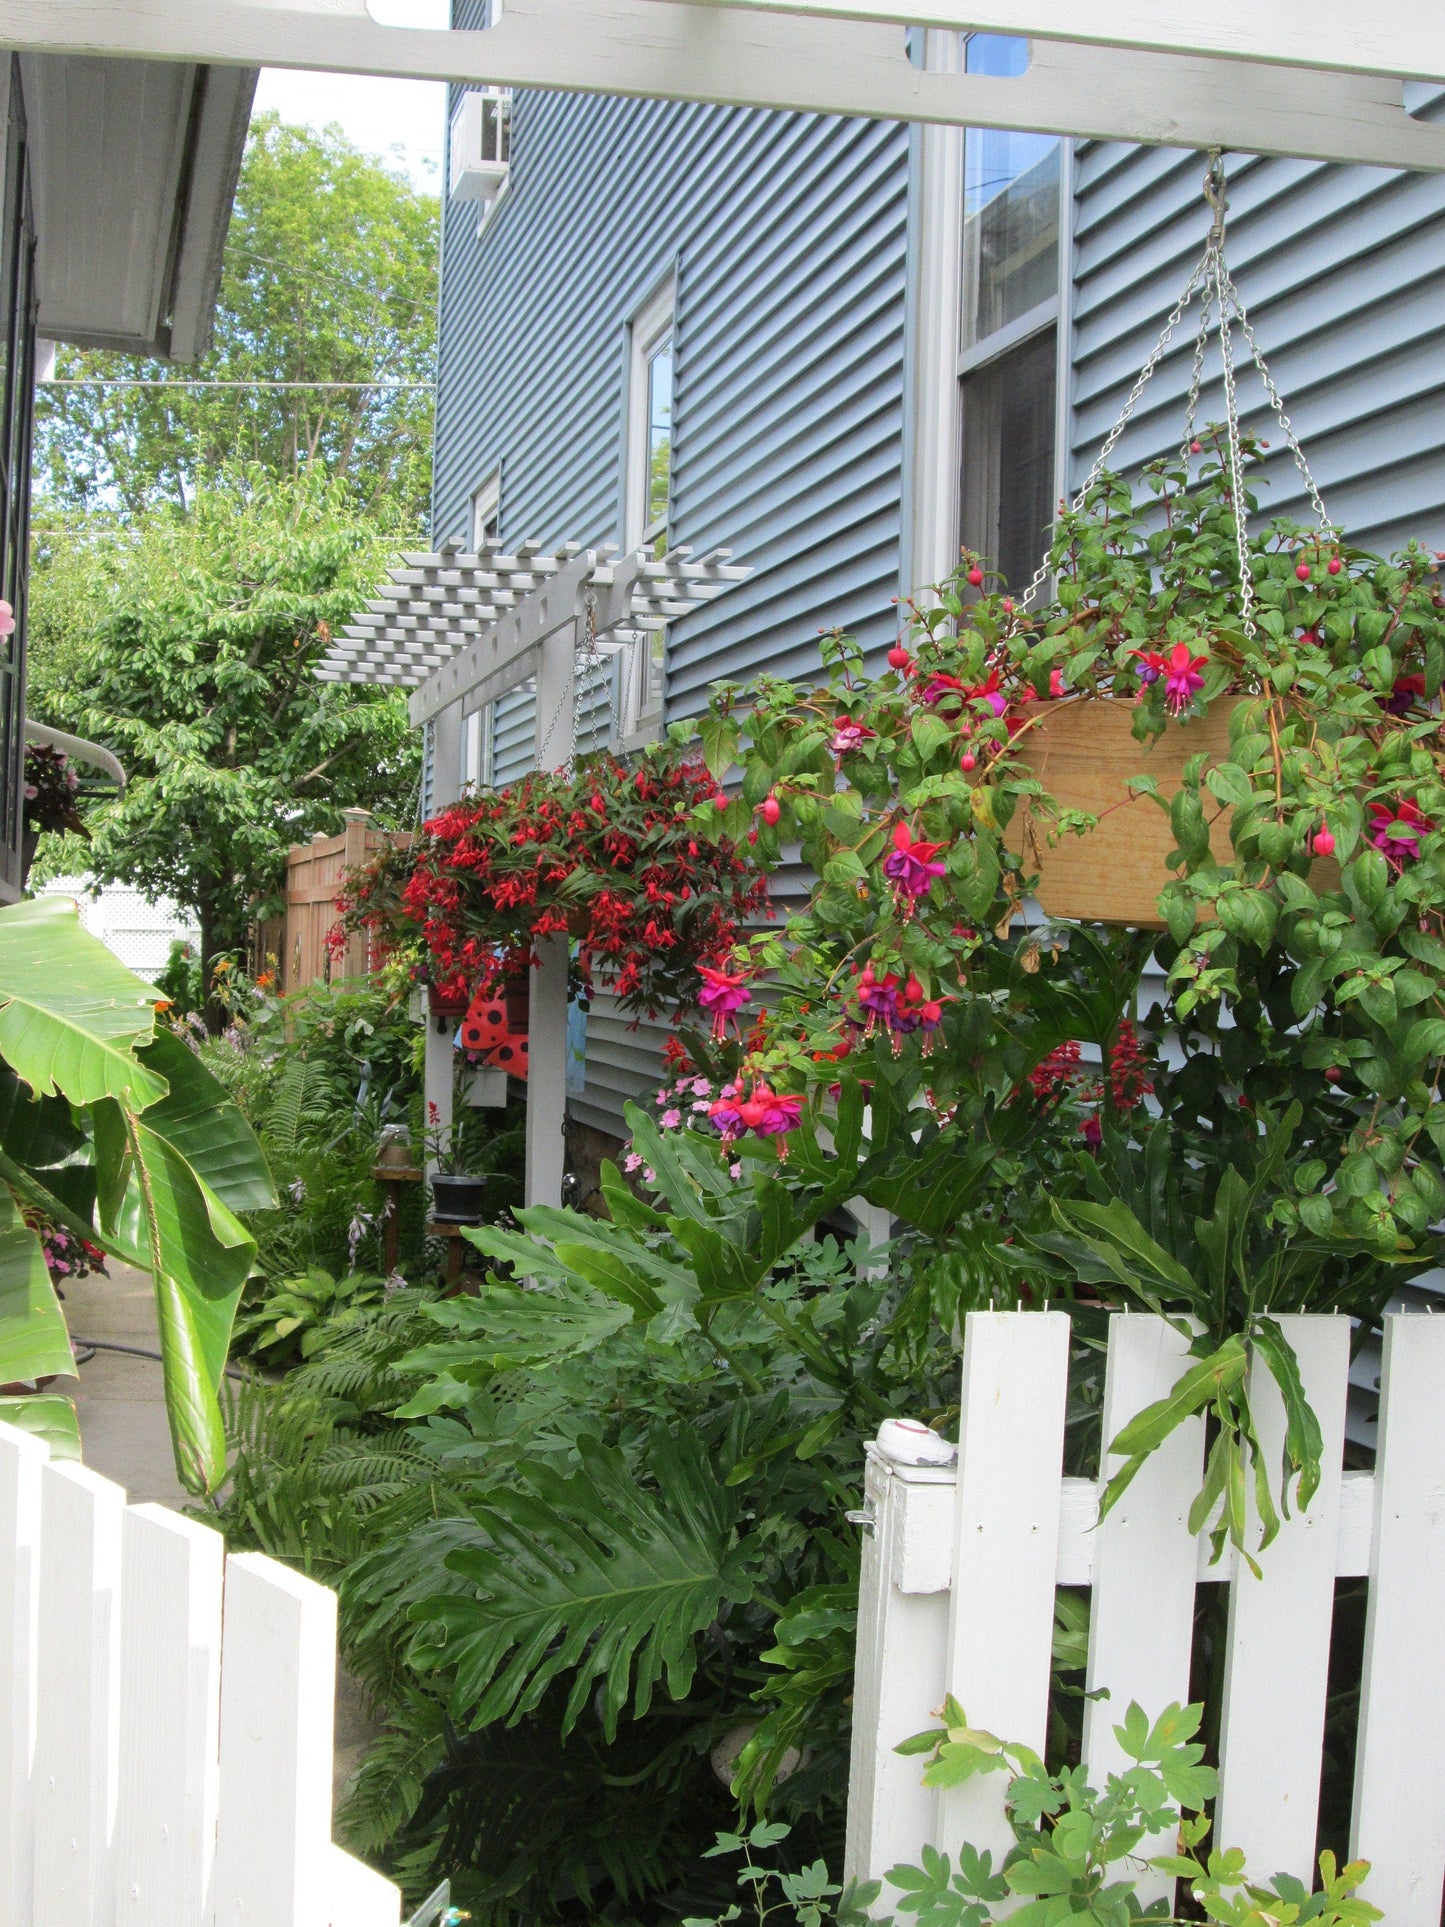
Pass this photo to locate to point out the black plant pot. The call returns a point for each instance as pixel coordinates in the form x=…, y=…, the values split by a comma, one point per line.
x=457, y=1200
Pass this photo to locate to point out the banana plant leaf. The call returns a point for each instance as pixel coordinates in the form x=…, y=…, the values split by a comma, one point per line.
x=34, y=1342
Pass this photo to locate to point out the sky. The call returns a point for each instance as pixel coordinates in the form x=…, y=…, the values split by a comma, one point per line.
x=401, y=121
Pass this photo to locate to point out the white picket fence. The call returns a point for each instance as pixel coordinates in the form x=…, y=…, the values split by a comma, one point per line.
x=165, y=1720
x=961, y=1564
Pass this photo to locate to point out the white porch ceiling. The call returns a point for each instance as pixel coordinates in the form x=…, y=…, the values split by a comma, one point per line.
x=135, y=166
x=1314, y=78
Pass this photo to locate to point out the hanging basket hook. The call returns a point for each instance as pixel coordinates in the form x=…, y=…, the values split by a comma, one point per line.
x=1214, y=192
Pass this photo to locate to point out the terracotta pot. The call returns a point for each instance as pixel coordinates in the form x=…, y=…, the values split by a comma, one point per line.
x=1084, y=754
x=517, y=995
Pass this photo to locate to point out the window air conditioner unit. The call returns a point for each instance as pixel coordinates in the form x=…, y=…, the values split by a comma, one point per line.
x=481, y=149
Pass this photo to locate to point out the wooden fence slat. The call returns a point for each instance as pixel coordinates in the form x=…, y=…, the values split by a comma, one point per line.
x=170, y=1680
x=1277, y=1662
x=1001, y=1607
x=278, y=1675
x=1141, y=1621
x=901, y=1665
x=1399, y=1816
x=77, y=1729
x=21, y=1458
x=358, y=1896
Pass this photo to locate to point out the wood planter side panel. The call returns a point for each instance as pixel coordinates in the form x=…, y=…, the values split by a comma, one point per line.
x=1084, y=754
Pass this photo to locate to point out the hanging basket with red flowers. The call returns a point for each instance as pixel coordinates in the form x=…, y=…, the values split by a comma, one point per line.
x=609, y=853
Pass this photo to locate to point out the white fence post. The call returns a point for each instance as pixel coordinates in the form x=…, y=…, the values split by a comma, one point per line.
x=21, y=1459
x=77, y=1728
x=1399, y=1813
x=902, y=1661
x=278, y=1676
x=170, y=1686
x=1006, y=1548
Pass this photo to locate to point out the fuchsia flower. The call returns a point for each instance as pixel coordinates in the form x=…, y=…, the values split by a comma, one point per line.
x=990, y=693
x=913, y=864
x=1057, y=686
x=1151, y=665
x=1408, y=691
x=723, y=992
x=940, y=687
x=1396, y=832
x=764, y=1112
x=848, y=735
x=726, y=1112
x=1182, y=676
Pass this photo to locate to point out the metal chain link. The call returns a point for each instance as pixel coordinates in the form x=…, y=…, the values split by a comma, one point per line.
x=1212, y=276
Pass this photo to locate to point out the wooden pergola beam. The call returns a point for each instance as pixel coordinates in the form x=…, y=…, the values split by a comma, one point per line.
x=1290, y=77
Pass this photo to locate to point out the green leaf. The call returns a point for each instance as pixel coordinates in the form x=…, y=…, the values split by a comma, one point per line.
x=1230, y=784
x=207, y=1128
x=71, y=1014
x=593, y=1575
x=34, y=1342
x=48, y=1417
x=1196, y=1388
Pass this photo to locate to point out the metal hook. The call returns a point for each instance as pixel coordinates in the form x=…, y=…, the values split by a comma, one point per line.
x=1214, y=192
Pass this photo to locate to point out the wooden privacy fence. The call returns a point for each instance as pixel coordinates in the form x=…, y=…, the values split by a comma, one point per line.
x=961, y=1564
x=165, y=1720
x=295, y=945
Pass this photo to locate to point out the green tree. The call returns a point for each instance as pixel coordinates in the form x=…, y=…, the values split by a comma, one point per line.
x=330, y=275
x=186, y=641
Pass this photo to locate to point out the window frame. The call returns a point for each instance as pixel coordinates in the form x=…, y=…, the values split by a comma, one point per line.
x=653, y=323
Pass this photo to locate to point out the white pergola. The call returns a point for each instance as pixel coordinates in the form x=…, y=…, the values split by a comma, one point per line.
x=1319, y=79
x=460, y=630
x=1316, y=78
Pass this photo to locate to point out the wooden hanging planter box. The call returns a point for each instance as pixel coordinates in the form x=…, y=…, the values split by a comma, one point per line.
x=1084, y=754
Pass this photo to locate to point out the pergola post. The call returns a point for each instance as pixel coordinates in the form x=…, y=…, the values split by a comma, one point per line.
x=547, y=1023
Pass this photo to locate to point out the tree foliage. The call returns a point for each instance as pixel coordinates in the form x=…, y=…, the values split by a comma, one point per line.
x=187, y=641
x=330, y=275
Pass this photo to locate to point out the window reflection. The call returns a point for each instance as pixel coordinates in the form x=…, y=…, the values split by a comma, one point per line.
x=1011, y=206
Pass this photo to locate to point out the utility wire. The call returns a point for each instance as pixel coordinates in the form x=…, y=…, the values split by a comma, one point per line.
x=105, y=381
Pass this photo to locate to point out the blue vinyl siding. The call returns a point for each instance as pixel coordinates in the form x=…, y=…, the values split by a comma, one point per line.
x=1343, y=272
x=786, y=237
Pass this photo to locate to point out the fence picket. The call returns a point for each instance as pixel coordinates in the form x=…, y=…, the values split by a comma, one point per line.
x=1001, y=1607
x=76, y=1725
x=21, y=1458
x=357, y=1896
x=902, y=1660
x=1141, y=1620
x=170, y=1671
x=1399, y=1816
x=278, y=1661
x=1277, y=1662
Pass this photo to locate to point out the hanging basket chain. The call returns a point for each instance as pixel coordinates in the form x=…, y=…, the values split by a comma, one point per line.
x=1213, y=282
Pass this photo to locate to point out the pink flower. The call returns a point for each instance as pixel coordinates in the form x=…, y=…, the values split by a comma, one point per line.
x=7, y=619
x=766, y=1114
x=942, y=688
x=913, y=864
x=1182, y=676
x=632, y=1162
x=701, y=1087
x=1057, y=686
x=990, y=693
x=848, y=735
x=726, y=1113
x=723, y=992
x=735, y=1171
x=671, y=1118
x=1397, y=832
x=1091, y=1130
x=1151, y=665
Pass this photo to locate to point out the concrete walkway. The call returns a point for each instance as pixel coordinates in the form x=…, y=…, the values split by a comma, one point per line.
x=125, y=1436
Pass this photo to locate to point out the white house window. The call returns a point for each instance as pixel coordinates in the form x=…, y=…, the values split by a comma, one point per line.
x=649, y=483
x=478, y=729
x=1009, y=330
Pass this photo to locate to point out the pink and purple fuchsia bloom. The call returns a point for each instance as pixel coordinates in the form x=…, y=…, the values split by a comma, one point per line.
x=1181, y=670
x=723, y=992
x=1396, y=832
x=764, y=1112
x=848, y=736
x=913, y=864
